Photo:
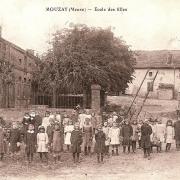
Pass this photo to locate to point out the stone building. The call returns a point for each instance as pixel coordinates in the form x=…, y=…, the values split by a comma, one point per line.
x=22, y=62
x=167, y=81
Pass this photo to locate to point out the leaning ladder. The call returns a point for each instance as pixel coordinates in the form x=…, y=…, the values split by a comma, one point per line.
x=137, y=93
x=146, y=95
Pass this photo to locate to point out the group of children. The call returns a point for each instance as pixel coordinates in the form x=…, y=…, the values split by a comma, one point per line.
x=56, y=133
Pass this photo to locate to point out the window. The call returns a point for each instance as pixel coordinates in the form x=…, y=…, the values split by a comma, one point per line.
x=20, y=78
x=150, y=86
x=20, y=61
x=150, y=74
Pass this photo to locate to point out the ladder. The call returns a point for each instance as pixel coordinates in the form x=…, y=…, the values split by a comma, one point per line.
x=146, y=96
x=137, y=93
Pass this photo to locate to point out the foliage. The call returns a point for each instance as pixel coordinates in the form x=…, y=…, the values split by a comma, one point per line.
x=82, y=56
x=6, y=73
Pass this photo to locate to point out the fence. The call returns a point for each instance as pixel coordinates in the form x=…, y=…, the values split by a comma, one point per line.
x=62, y=101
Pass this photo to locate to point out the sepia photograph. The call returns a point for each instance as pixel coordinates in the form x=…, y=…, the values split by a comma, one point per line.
x=89, y=90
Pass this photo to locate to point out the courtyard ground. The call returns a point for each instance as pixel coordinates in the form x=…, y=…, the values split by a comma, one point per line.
x=162, y=166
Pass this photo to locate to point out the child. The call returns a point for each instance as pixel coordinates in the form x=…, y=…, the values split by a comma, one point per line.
x=100, y=138
x=26, y=121
x=56, y=142
x=65, y=120
x=22, y=146
x=42, y=143
x=14, y=139
x=114, y=135
x=127, y=132
x=50, y=129
x=30, y=142
x=159, y=133
x=67, y=131
x=88, y=135
x=169, y=134
x=146, y=132
x=76, y=141
x=107, y=142
x=134, y=136
x=2, y=147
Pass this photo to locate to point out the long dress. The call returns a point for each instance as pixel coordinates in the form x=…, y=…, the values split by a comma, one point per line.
x=88, y=134
x=177, y=131
x=114, y=135
x=30, y=141
x=160, y=132
x=14, y=139
x=2, y=143
x=127, y=132
x=100, y=138
x=169, y=134
x=42, y=142
x=106, y=132
x=68, y=130
x=76, y=141
x=57, y=141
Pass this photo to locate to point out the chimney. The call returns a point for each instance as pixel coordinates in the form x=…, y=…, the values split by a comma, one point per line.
x=30, y=51
x=0, y=31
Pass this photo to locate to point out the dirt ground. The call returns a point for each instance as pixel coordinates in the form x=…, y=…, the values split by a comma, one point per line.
x=162, y=166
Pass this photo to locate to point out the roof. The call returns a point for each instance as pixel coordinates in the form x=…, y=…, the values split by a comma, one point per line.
x=165, y=59
x=19, y=48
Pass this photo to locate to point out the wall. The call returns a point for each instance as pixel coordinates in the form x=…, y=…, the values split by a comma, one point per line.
x=23, y=65
x=165, y=76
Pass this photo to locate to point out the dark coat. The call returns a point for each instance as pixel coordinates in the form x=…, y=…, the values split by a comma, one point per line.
x=177, y=130
x=126, y=133
x=13, y=139
x=146, y=131
x=76, y=141
x=30, y=141
x=100, y=138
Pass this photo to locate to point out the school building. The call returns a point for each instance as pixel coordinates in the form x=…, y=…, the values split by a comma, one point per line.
x=17, y=91
x=160, y=71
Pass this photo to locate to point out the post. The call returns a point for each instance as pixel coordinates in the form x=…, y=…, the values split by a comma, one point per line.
x=95, y=93
x=178, y=106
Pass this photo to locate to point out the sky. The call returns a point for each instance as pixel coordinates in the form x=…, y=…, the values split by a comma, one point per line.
x=146, y=25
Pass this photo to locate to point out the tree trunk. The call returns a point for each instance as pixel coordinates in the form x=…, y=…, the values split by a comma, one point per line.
x=84, y=98
x=54, y=98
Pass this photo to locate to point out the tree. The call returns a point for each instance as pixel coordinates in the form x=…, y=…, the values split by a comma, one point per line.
x=82, y=56
x=6, y=78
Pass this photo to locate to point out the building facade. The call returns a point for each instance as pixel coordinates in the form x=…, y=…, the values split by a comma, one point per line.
x=167, y=82
x=22, y=63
